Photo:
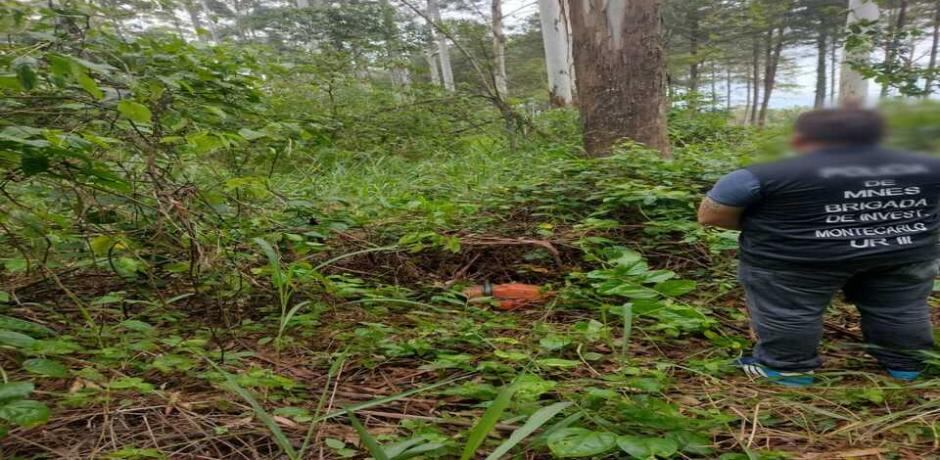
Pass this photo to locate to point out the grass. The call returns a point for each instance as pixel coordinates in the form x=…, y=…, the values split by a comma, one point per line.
x=390, y=361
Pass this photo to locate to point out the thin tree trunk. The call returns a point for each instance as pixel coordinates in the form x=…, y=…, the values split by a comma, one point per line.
x=499, y=50
x=693, y=25
x=934, y=44
x=432, y=67
x=821, y=48
x=728, y=89
x=747, y=100
x=714, y=87
x=195, y=20
x=397, y=70
x=892, y=53
x=755, y=78
x=443, y=50
x=210, y=23
x=774, y=50
x=833, y=63
x=620, y=63
x=556, y=38
x=853, y=87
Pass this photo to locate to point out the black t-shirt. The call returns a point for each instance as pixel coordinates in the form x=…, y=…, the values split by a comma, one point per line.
x=846, y=205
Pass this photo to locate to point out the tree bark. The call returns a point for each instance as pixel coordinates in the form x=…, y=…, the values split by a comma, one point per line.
x=821, y=48
x=433, y=71
x=397, y=69
x=774, y=50
x=934, y=44
x=618, y=57
x=693, y=24
x=500, y=80
x=556, y=39
x=755, y=79
x=195, y=20
x=833, y=63
x=728, y=89
x=853, y=87
x=714, y=83
x=747, y=101
x=892, y=53
x=443, y=50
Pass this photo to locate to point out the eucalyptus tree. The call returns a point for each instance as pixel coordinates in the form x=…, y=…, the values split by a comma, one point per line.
x=853, y=85
x=620, y=63
x=556, y=40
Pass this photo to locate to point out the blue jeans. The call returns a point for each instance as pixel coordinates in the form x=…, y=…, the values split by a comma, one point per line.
x=787, y=307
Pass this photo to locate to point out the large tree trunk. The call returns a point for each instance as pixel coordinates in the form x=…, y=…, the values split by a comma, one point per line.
x=443, y=51
x=774, y=50
x=934, y=44
x=821, y=48
x=853, y=87
x=556, y=38
x=499, y=50
x=618, y=57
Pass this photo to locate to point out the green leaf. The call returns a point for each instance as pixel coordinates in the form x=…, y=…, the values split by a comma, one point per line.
x=250, y=135
x=335, y=444
x=134, y=111
x=535, y=421
x=46, y=367
x=367, y=440
x=204, y=142
x=692, y=443
x=413, y=447
x=4, y=297
x=487, y=422
x=16, y=324
x=25, y=74
x=558, y=362
x=646, y=448
x=136, y=325
x=11, y=82
x=91, y=87
x=554, y=342
x=626, y=258
x=675, y=288
x=25, y=412
x=581, y=442
x=15, y=339
x=32, y=164
x=15, y=390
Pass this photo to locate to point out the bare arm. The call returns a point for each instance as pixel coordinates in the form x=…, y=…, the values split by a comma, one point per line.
x=714, y=214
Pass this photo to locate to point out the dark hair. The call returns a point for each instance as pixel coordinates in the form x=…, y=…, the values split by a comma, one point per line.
x=848, y=126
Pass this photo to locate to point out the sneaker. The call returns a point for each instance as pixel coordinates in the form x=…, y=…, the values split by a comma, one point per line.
x=906, y=376
x=757, y=371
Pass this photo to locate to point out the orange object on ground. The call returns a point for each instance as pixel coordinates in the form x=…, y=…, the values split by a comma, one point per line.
x=510, y=296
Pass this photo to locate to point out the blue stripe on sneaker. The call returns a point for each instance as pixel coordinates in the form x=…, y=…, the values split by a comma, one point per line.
x=904, y=375
x=755, y=370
